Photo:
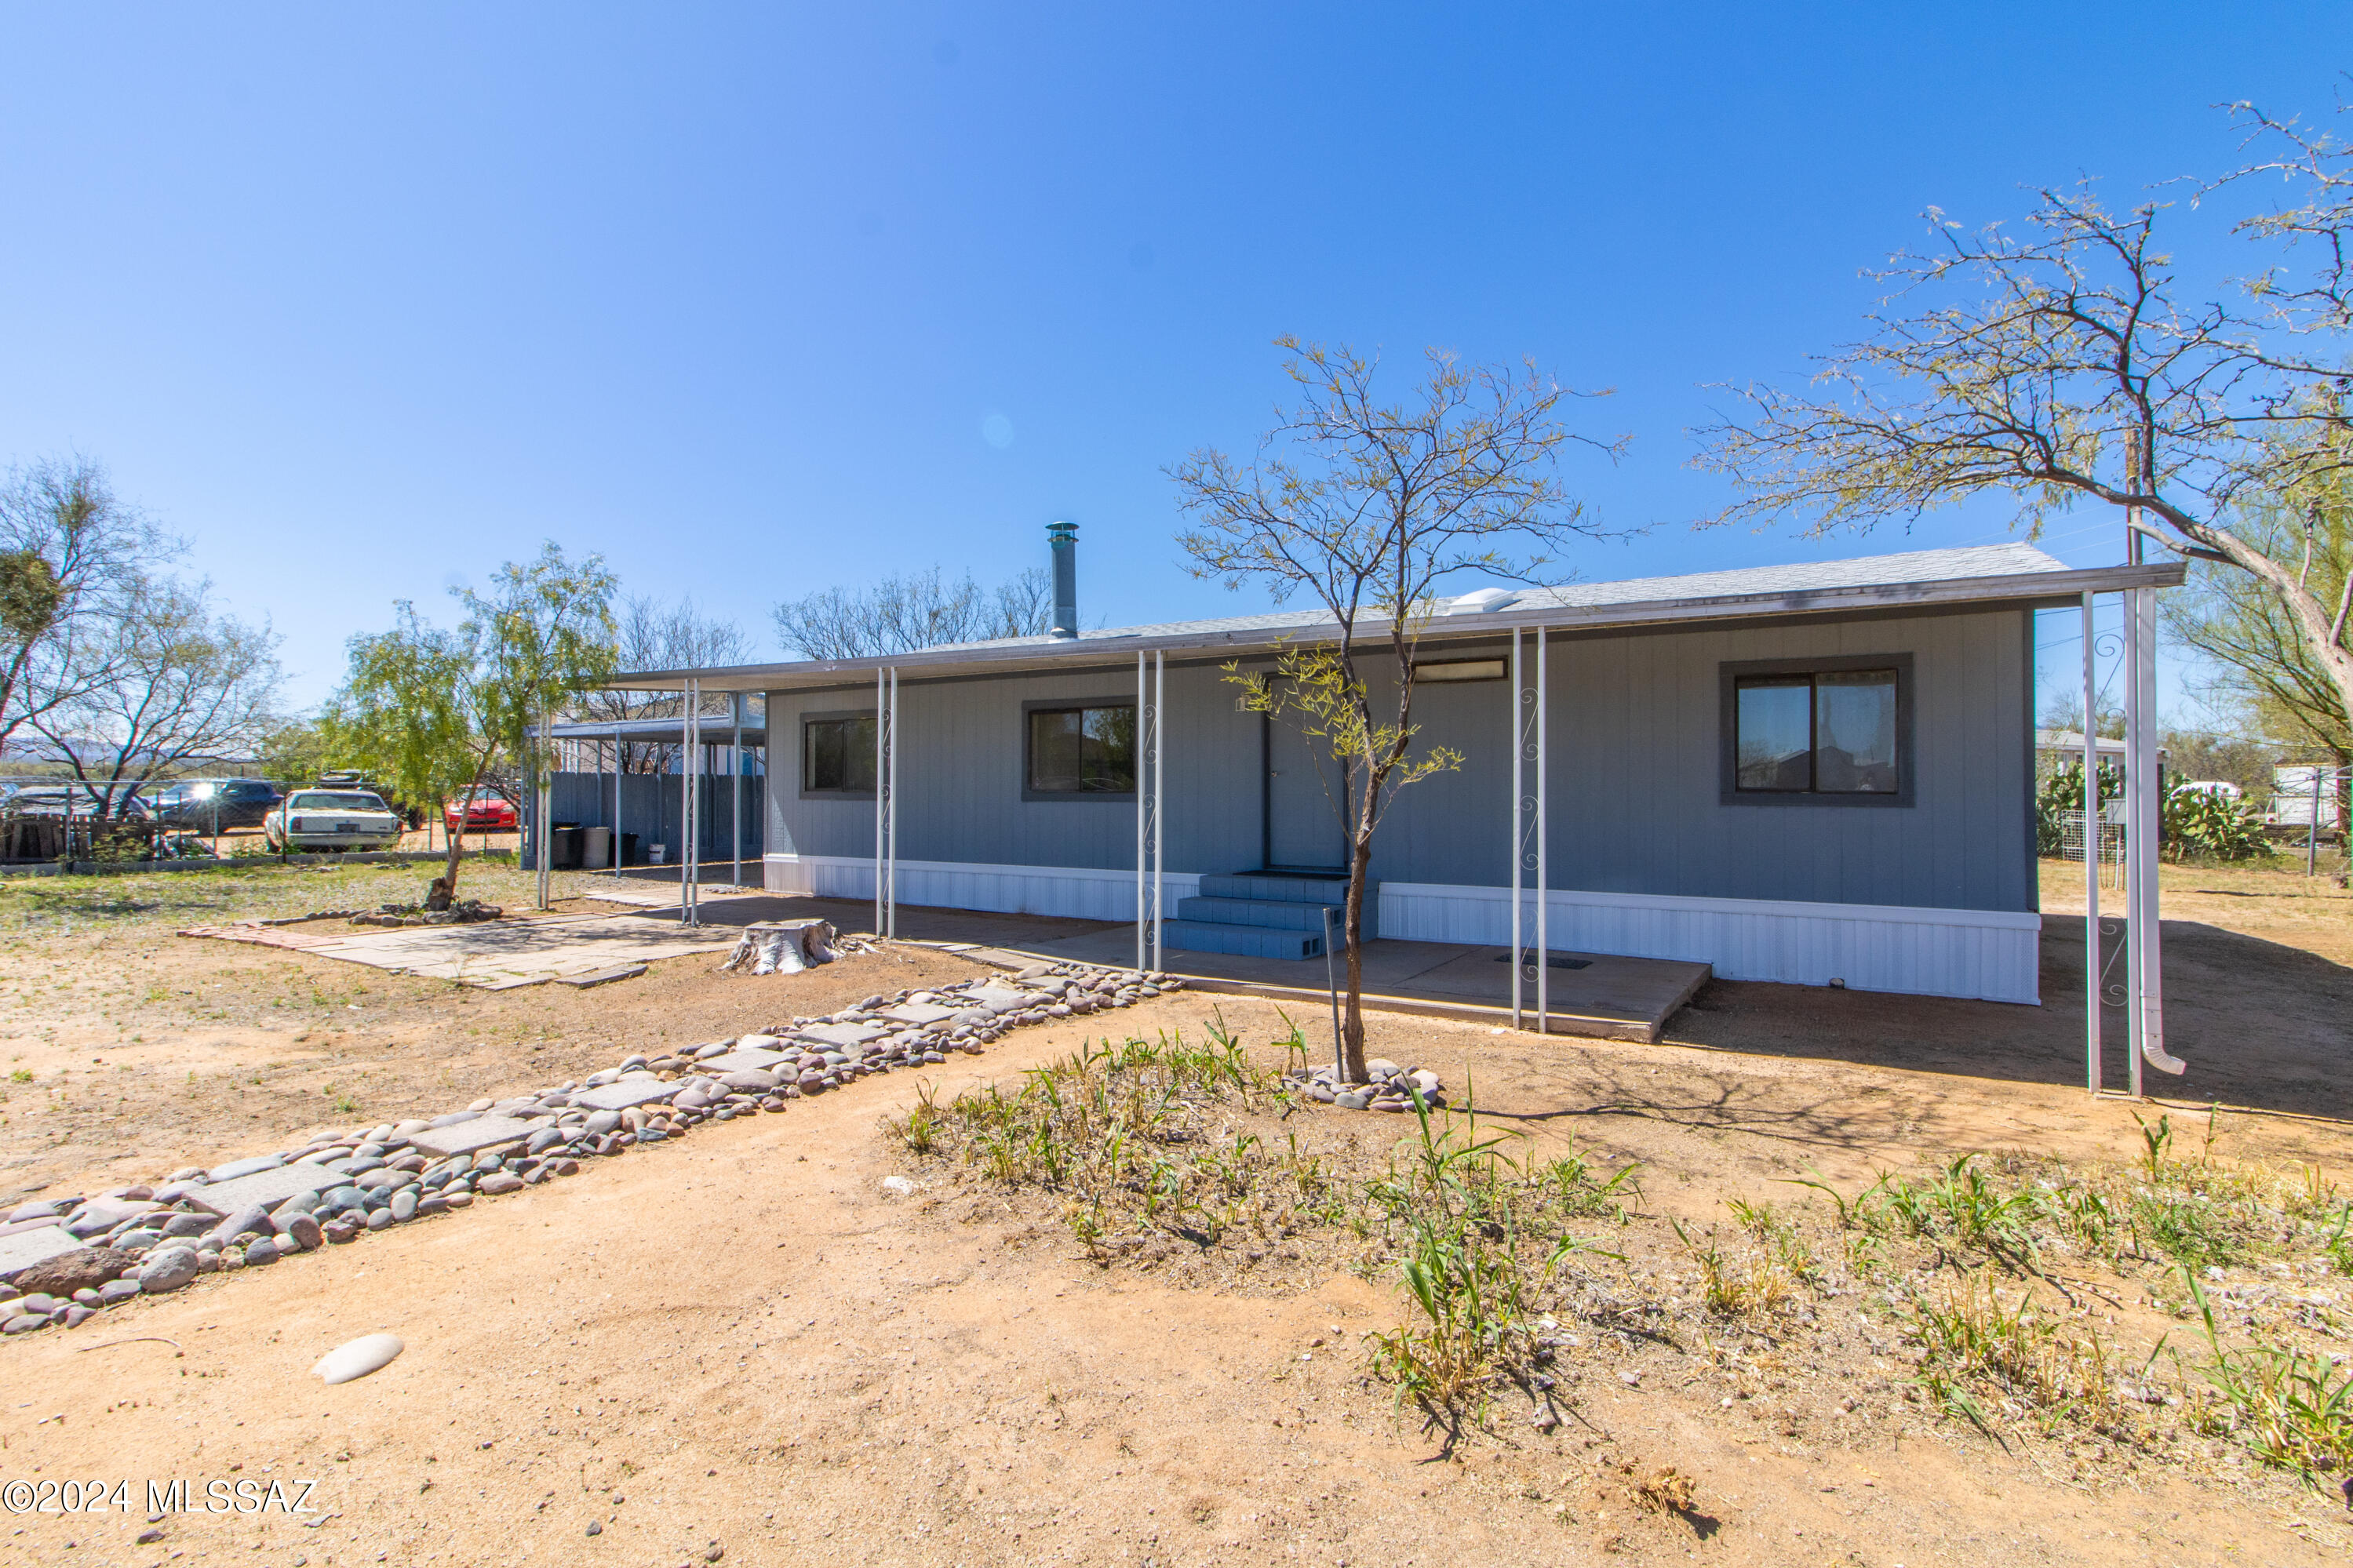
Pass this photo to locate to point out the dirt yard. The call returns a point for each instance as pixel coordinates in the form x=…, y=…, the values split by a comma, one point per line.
x=744, y=1347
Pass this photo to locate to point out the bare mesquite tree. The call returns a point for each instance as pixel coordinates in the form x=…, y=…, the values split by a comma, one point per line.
x=74, y=563
x=1363, y=506
x=649, y=634
x=2066, y=362
x=920, y=609
x=167, y=683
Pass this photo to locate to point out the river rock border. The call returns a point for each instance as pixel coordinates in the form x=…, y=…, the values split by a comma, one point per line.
x=1389, y=1087
x=83, y=1255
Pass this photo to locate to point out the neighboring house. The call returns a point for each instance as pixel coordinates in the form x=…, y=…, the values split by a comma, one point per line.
x=1806, y=774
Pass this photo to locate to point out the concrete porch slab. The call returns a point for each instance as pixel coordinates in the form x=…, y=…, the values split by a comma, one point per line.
x=1605, y=998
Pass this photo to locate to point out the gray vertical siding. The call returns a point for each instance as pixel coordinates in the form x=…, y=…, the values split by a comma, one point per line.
x=960, y=781
x=1635, y=801
x=1633, y=742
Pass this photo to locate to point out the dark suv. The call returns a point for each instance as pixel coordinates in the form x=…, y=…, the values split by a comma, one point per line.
x=195, y=805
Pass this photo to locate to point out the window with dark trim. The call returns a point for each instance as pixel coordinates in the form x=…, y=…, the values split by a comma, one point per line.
x=1080, y=750
x=838, y=754
x=1821, y=731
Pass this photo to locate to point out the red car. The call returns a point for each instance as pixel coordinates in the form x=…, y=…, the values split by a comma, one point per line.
x=482, y=811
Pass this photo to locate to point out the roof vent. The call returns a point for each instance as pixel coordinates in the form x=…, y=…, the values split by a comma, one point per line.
x=1484, y=602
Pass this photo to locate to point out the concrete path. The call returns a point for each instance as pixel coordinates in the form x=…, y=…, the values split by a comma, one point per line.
x=498, y=955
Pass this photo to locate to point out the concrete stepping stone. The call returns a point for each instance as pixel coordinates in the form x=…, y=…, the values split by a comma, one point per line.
x=236, y=1168
x=919, y=1013
x=846, y=1037
x=481, y=1132
x=737, y=1061
x=26, y=1248
x=266, y=1189
x=625, y=1093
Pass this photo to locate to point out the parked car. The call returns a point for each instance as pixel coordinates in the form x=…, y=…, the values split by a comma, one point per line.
x=334, y=820
x=200, y=805
x=48, y=797
x=481, y=811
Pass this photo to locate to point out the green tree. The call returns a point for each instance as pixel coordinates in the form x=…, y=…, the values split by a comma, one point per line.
x=435, y=713
x=2263, y=668
x=1363, y=506
x=296, y=751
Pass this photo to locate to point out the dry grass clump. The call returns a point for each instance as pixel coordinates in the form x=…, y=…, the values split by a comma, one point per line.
x=1172, y=1141
x=1137, y=1140
x=1997, y=1348
x=1666, y=1490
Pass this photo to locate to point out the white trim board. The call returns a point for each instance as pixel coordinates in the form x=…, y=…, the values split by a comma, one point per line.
x=1990, y=954
x=1077, y=892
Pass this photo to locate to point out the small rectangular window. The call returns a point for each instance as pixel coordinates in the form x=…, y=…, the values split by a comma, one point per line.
x=837, y=755
x=1459, y=670
x=1082, y=751
x=1830, y=732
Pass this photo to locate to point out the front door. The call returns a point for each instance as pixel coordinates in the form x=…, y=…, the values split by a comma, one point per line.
x=1303, y=801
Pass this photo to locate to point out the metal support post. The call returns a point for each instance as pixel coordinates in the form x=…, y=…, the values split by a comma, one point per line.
x=735, y=782
x=690, y=867
x=886, y=801
x=1544, y=878
x=1159, y=819
x=2093, y=975
x=618, y=768
x=543, y=803
x=1143, y=825
x=1529, y=852
x=1514, y=738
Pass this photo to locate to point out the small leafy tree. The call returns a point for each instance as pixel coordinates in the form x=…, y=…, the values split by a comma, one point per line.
x=1364, y=506
x=437, y=713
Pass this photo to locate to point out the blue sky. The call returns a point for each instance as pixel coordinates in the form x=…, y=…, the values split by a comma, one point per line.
x=365, y=300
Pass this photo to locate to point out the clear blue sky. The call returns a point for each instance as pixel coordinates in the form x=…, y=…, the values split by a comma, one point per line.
x=365, y=299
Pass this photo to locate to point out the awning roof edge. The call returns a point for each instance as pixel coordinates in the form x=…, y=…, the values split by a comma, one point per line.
x=1109, y=651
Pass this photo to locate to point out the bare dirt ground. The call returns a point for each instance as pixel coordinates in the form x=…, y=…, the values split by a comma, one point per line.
x=744, y=1343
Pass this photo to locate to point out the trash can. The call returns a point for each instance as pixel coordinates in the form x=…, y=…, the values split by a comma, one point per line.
x=564, y=846
x=630, y=854
x=597, y=853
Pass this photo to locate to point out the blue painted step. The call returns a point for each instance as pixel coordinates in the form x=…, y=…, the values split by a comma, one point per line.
x=1255, y=912
x=1280, y=888
x=1253, y=941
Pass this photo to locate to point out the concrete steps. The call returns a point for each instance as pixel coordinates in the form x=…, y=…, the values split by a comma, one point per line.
x=1253, y=941
x=1274, y=886
x=1254, y=912
x=1260, y=914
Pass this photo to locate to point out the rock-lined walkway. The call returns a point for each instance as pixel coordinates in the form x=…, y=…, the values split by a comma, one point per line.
x=63, y=1261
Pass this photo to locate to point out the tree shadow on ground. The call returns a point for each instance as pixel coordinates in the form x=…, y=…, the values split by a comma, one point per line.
x=2263, y=1026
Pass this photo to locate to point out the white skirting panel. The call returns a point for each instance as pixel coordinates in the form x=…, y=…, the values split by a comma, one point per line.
x=1075, y=892
x=1988, y=954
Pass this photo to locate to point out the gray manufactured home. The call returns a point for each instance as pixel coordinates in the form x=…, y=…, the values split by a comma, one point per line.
x=1817, y=773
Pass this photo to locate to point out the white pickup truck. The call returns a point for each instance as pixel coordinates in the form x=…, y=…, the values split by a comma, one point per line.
x=332, y=819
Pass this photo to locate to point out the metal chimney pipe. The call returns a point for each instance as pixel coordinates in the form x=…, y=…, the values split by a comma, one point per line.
x=1063, y=537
